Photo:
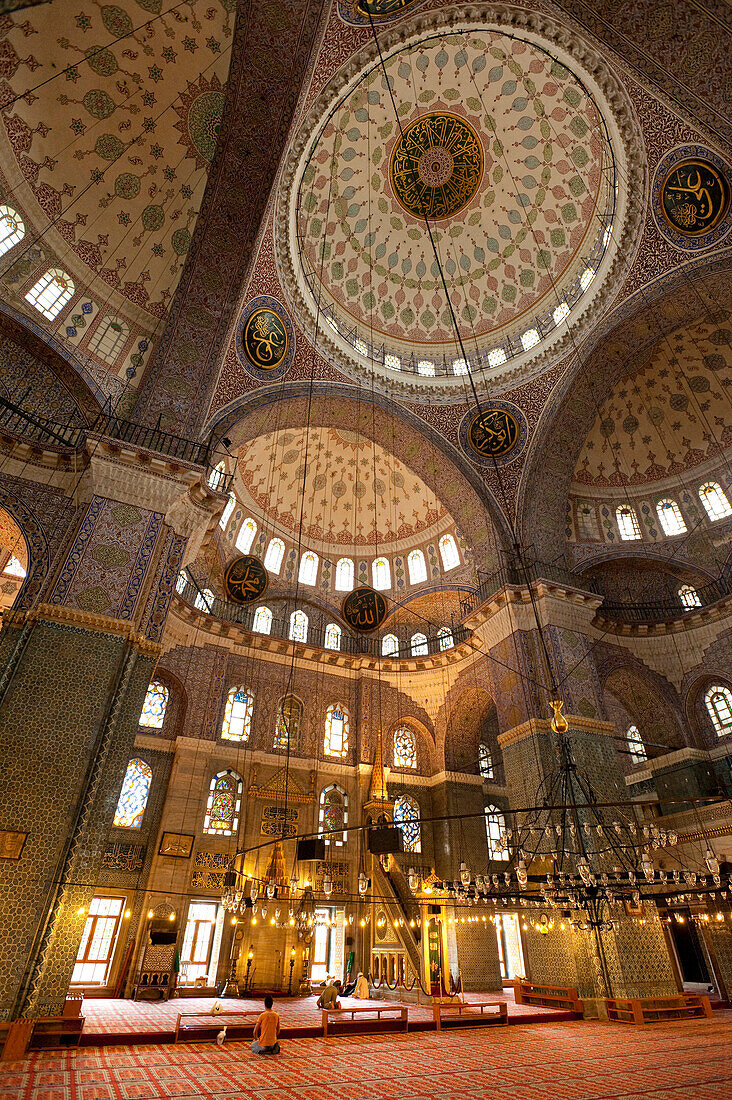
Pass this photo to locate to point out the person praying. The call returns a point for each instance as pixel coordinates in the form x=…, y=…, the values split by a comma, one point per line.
x=267, y=1030
x=329, y=997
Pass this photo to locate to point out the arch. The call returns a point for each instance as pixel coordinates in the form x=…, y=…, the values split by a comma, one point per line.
x=670, y=517
x=133, y=797
x=109, y=338
x=333, y=636
x=237, y=723
x=262, y=621
x=636, y=745
x=485, y=761
x=471, y=720
x=227, y=512
x=154, y=708
x=275, y=554
x=217, y=475
x=288, y=726
x=12, y=229
x=626, y=518
x=381, y=573
x=445, y=638
x=634, y=696
x=298, y=626
x=419, y=647
x=689, y=597
x=417, y=567
x=390, y=646
x=449, y=552
x=308, y=572
x=204, y=601
x=404, y=748
x=344, y=575
x=337, y=724
x=333, y=815
x=715, y=501
x=14, y=560
x=718, y=701
x=246, y=535
x=223, y=804
x=408, y=818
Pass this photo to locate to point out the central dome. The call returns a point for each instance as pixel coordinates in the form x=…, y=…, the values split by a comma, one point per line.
x=505, y=153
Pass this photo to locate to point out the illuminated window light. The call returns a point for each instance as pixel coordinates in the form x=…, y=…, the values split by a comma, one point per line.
x=496, y=357
x=530, y=339
x=459, y=366
x=426, y=367
x=586, y=277
x=51, y=293
x=561, y=313
x=361, y=346
x=393, y=362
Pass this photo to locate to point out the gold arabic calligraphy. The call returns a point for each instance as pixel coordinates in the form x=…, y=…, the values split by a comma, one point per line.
x=265, y=339
x=246, y=579
x=436, y=166
x=694, y=197
x=364, y=610
x=493, y=433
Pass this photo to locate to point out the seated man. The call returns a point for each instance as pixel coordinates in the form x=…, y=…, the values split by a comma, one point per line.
x=348, y=988
x=362, y=988
x=329, y=997
x=267, y=1030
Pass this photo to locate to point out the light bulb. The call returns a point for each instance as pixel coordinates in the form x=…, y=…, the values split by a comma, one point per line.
x=464, y=874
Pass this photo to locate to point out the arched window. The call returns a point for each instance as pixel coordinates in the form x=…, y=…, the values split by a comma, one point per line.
x=416, y=566
x=333, y=636
x=390, y=646
x=308, y=568
x=13, y=567
x=689, y=597
x=298, y=626
x=380, y=574
x=262, y=621
x=445, y=638
x=419, y=647
x=715, y=501
x=627, y=523
x=155, y=706
x=12, y=229
x=237, y=723
x=485, y=761
x=405, y=749
x=224, y=803
x=275, y=554
x=217, y=475
x=227, y=512
x=407, y=818
x=495, y=829
x=181, y=582
x=51, y=293
x=449, y=552
x=670, y=518
x=246, y=535
x=110, y=336
x=336, y=731
x=344, y=575
x=133, y=796
x=204, y=601
x=587, y=526
x=333, y=814
x=636, y=747
x=289, y=723
x=719, y=704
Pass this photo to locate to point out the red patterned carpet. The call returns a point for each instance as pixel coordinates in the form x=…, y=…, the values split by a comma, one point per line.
x=110, y=1020
x=580, y=1060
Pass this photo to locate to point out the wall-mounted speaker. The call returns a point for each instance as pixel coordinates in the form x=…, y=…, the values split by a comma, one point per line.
x=312, y=849
x=384, y=840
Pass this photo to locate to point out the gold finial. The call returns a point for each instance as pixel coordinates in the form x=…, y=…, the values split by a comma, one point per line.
x=559, y=722
x=378, y=792
x=276, y=867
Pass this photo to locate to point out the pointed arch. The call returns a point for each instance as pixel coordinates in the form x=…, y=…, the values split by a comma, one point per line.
x=223, y=804
x=333, y=816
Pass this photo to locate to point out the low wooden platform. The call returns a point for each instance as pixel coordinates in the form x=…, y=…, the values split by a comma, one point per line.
x=209, y=1023
x=654, y=1010
x=465, y=1014
x=548, y=996
x=398, y=1012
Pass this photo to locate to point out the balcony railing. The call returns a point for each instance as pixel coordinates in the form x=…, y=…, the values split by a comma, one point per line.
x=666, y=610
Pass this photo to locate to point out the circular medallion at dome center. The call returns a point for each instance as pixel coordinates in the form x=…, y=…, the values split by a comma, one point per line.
x=436, y=166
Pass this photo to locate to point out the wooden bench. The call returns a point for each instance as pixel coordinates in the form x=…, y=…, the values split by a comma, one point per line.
x=399, y=1011
x=652, y=1010
x=211, y=1021
x=42, y=1033
x=466, y=1014
x=548, y=996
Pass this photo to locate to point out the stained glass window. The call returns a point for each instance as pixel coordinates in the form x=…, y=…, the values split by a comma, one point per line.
x=637, y=749
x=449, y=552
x=12, y=229
x=262, y=623
x=715, y=500
x=298, y=626
x=336, y=731
x=485, y=761
x=344, y=575
x=332, y=636
x=381, y=574
x=181, y=582
x=670, y=518
x=308, y=568
x=689, y=597
x=109, y=339
x=495, y=828
x=51, y=293
x=405, y=750
x=245, y=536
x=289, y=721
x=237, y=724
x=445, y=638
x=224, y=803
x=719, y=704
x=419, y=645
x=217, y=476
x=628, y=525
x=416, y=566
x=227, y=512
x=390, y=646
x=155, y=705
x=133, y=796
x=333, y=814
x=275, y=554
x=407, y=818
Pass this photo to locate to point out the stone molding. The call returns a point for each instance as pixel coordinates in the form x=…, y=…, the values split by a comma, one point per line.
x=88, y=621
x=536, y=727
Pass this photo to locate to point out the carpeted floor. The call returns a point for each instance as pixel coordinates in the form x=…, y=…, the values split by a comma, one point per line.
x=118, y=1017
x=580, y=1060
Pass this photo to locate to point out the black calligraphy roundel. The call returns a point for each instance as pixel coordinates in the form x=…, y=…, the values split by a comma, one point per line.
x=265, y=339
x=493, y=433
x=694, y=197
x=364, y=610
x=436, y=166
x=246, y=579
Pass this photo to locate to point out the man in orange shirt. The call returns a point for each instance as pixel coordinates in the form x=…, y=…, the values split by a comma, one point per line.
x=267, y=1030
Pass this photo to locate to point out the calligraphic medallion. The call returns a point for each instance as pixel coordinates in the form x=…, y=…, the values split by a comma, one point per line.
x=694, y=197
x=246, y=579
x=493, y=433
x=382, y=9
x=364, y=609
x=265, y=339
x=436, y=166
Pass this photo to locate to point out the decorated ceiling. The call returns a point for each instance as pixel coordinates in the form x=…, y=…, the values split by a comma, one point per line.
x=114, y=152
x=503, y=150
x=670, y=415
x=356, y=494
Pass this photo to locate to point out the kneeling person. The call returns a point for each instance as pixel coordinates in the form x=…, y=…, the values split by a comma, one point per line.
x=267, y=1030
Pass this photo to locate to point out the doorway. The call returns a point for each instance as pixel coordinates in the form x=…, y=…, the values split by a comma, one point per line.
x=196, y=957
x=510, y=952
x=690, y=953
x=322, y=945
